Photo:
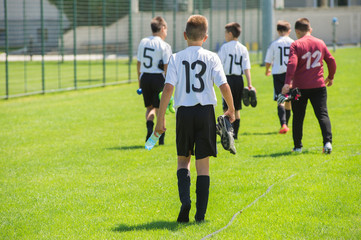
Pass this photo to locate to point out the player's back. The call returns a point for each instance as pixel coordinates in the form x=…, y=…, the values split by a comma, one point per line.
x=278, y=53
x=193, y=71
x=234, y=57
x=151, y=51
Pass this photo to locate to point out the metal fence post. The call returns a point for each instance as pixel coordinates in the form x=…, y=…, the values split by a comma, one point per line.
x=42, y=47
x=74, y=40
x=6, y=50
x=130, y=42
x=267, y=26
x=25, y=46
x=174, y=24
x=104, y=38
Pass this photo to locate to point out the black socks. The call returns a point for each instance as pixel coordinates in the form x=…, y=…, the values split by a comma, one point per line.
x=235, y=126
x=150, y=125
x=184, y=184
x=281, y=114
x=202, y=197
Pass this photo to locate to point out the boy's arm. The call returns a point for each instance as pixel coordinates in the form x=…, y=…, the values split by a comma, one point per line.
x=247, y=72
x=138, y=72
x=166, y=95
x=227, y=95
x=268, y=70
x=165, y=69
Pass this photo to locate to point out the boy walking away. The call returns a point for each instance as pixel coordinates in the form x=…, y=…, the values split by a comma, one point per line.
x=305, y=72
x=277, y=57
x=235, y=60
x=153, y=56
x=192, y=72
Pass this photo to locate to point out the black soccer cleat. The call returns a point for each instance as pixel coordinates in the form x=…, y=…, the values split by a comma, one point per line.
x=245, y=96
x=253, y=97
x=226, y=133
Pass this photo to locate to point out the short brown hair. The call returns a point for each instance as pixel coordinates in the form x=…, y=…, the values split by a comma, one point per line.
x=157, y=23
x=234, y=28
x=283, y=26
x=303, y=25
x=197, y=27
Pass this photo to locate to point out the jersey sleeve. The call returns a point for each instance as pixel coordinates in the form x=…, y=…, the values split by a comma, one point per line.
x=269, y=55
x=218, y=75
x=331, y=63
x=167, y=54
x=221, y=54
x=140, y=51
x=246, y=63
x=171, y=76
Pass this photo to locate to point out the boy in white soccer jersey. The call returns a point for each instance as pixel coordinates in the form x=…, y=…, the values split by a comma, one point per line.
x=235, y=60
x=153, y=56
x=193, y=72
x=277, y=57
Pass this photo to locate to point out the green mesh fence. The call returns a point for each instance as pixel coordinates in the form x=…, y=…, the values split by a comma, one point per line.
x=57, y=45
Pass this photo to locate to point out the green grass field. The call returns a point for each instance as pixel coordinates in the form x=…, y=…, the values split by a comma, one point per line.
x=73, y=166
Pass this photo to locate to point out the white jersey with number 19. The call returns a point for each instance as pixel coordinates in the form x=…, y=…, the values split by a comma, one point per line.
x=277, y=54
x=193, y=72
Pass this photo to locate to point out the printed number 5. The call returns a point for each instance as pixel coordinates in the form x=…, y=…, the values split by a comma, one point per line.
x=197, y=75
x=316, y=63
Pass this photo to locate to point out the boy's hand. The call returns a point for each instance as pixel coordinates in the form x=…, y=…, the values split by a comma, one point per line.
x=230, y=115
x=328, y=82
x=268, y=72
x=160, y=126
x=285, y=89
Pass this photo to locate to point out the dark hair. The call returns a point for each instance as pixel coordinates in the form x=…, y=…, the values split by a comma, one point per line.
x=283, y=26
x=303, y=25
x=197, y=27
x=234, y=28
x=157, y=23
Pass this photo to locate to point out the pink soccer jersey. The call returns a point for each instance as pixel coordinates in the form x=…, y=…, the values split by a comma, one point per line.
x=305, y=63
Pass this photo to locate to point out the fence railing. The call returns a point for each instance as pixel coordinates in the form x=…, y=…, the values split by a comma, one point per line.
x=57, y=45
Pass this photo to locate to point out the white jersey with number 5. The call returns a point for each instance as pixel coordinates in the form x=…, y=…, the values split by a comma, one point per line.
x=193, y=72
x=277, y=54
x=150, y=51
x=234, y=57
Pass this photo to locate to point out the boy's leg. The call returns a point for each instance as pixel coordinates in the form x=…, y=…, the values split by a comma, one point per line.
x=288, y=111
x=235, y=124
x=161, y=139
x=281, y=114
x=319, y=104
x=184, y=183
x=299, y=111
x=202, y=188
x=149, y=116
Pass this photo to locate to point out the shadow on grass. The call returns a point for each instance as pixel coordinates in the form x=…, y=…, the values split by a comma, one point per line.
x=281, y=154
x=126, y=147
x=172, y=226
x=260, y=133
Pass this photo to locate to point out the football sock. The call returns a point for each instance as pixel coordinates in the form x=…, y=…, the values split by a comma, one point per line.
x=235, y=126
x=202, y=191
x=161, y=139
x=288, y=115
x=281, y=114
x=150, y=125
x=184, y=184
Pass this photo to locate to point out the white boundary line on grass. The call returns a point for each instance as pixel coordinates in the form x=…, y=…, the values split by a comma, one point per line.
x=249, y=205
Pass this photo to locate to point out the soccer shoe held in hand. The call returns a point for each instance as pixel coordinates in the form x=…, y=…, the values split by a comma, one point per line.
x=170, y=107
x=224, y=126
x=294, y=94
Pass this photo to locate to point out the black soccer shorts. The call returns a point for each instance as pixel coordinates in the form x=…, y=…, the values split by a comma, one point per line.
x=196, y=131
x=236, y=84
x=278, y=82
x=152, y=84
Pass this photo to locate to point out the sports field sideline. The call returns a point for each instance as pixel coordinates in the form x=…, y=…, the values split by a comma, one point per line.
x=73, y=166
